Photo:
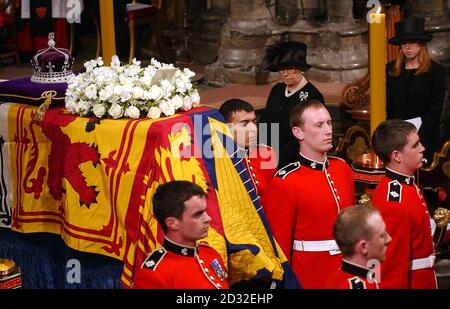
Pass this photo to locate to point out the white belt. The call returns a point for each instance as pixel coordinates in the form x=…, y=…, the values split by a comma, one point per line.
x=317, y=246
x=427, y=262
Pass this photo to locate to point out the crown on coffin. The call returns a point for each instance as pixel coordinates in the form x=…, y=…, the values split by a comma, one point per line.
x=51, y=65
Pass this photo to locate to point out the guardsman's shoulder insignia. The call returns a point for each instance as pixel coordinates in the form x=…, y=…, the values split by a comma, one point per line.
x=394, y=191
x=356, y=283
x=152, y=261
x=286, y=170
x=335, y=158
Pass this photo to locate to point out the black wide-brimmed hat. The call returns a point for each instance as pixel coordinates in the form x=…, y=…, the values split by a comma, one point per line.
x=282, y=55
x=410, y=29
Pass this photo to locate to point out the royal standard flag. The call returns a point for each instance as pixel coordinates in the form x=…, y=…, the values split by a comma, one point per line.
x=92, y=182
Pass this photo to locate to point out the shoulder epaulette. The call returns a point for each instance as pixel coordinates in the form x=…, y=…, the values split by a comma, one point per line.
x=286, y=170
x=356, y=283
x=335, y=158
x=152, y=261
x=394, y=193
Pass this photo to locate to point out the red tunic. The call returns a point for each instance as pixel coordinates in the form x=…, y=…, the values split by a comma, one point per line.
x=405, y=212
x=178, y=267
x=350, y=276
x=261, y=163
x=302, y=204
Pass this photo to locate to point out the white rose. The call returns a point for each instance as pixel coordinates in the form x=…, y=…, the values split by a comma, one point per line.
x=115, y=61
x=167, y=88
x=146, y=80
x=154, y=112
x=115, y=111
x=100, y=80
x=91, y=91
x=181, y=86
x=117, y=89
x=138, y=93
x=99, y=110
x=136, y=62
x=90, y=65
x=195, y=98
x=126, y=81
x=114, y=99
x=132, y=112
x=106, y=93
x=71, y=105
x=83, y=107
x=100, y=61
x=177, y=102
x=187, y=103
x=188, y=86
x=155, y=93
x=125, y=94
x=146, y=96
x=149, y=71
x=155, y=63
x=188, y=73
x=167, y=108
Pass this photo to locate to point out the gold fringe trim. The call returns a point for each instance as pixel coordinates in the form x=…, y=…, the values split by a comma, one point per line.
x=29, y=98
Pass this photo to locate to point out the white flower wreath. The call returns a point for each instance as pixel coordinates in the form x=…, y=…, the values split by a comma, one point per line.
x=157, y=90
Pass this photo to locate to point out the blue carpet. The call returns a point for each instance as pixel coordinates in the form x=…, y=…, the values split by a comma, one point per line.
x=46, y=262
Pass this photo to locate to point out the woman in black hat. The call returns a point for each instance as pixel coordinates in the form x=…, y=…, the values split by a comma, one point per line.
x=415, y=84
x=289, y=60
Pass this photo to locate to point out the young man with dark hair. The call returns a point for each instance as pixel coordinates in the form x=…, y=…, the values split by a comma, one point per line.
x=410, y=258
x=182, y=262
x=260, y=160
x=360, y=233
x=306, y=196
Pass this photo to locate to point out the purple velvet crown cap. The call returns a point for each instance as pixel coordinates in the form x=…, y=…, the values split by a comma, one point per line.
x=51, y=65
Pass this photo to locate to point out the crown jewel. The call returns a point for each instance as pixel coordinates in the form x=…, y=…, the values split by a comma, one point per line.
x=51, y=65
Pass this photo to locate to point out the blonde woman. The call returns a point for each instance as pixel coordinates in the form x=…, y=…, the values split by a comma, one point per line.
x=415, y=84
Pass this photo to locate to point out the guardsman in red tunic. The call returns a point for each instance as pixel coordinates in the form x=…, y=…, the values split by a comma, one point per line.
x=259, y=159
x=360, y=233
x=410, y=258
x=182, y=263
x=176, y=266
x=306, y=196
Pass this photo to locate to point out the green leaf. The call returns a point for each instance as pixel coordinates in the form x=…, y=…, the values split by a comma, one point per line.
x=90, y=126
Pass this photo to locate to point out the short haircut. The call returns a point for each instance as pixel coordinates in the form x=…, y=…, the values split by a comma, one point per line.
x=234, y=105
x=169, y=198
x=351, y=226
x=295, y=119
x=391, y=135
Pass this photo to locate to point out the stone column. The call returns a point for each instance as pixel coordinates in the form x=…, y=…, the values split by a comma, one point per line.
x=310, y=9
x=340, y=11
x=206, y=41
x=242, y=42
x=337, y=49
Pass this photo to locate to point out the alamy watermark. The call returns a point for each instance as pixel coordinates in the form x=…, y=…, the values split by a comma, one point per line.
x=206, y=148
x=376, y=8
x=374, y=274
x=73, y=274
x=73, y=14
